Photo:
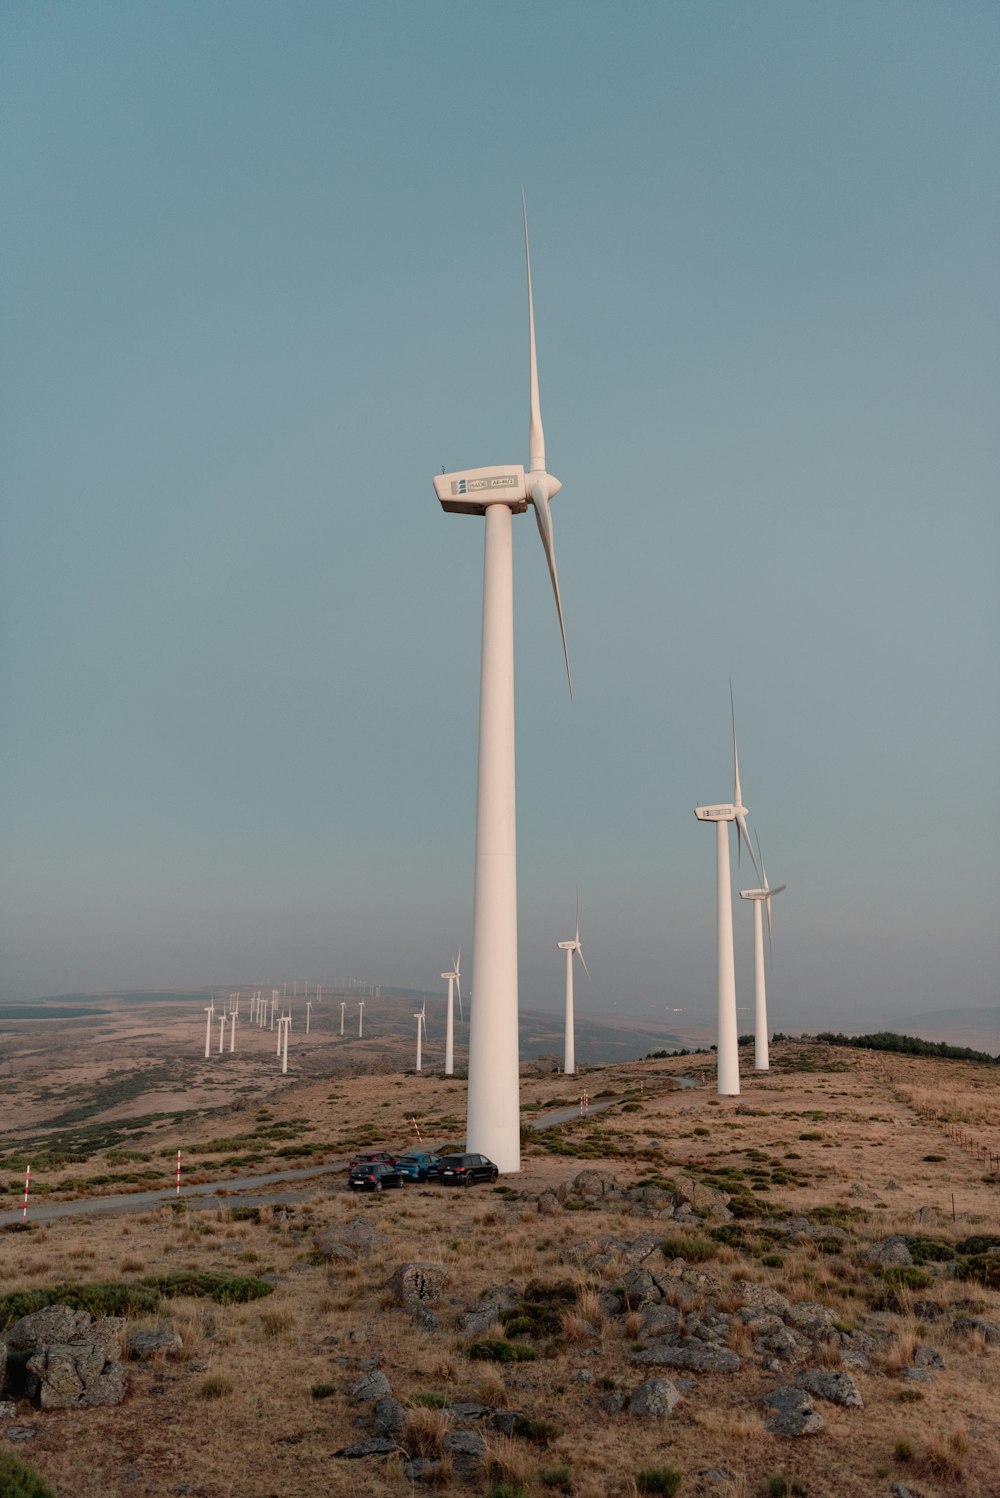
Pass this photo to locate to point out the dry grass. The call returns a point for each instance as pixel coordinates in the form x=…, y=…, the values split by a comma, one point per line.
x=272, y=1352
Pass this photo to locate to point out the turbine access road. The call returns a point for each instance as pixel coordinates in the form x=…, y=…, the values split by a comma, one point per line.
x=212, y=1194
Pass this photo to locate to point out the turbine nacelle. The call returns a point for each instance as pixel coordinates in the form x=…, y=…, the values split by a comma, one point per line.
x=730, y=812
x=471, y=490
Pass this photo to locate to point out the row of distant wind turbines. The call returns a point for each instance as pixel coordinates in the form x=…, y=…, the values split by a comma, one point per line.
x=497, y=494
x=261, y=1010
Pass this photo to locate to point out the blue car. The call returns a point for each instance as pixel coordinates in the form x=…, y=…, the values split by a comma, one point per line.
x=414, y=1167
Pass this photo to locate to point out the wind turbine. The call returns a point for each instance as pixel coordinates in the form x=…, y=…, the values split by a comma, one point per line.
x=454, y=977
x=361, y=1019
x=421, y=1019
x=763, y=896
x=210, y=1011
x=499, y=493
x=343, y=1006
x=569, y=947
x=728, y=1061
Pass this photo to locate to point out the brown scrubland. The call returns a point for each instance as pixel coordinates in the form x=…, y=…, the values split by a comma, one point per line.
x=256, y=1402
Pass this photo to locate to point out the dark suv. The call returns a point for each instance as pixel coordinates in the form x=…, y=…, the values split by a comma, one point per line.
x=462, y=1170
x=374, y=1176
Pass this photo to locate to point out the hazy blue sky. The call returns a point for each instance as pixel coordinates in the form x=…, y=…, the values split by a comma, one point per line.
x=263, y=276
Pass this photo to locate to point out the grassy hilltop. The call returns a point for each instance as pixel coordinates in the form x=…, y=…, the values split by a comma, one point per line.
x=832, y=1152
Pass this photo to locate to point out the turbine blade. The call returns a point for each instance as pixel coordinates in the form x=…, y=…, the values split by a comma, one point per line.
x=763, y=871
x=737, y=792
x=578, y=918
x=536, y=436
x=741, y=829
x=579, y=953
x=770, y=941
x=543, y=516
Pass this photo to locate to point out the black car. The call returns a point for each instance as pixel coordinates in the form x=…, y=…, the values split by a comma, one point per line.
x=374, y=1175
x=462, y=1170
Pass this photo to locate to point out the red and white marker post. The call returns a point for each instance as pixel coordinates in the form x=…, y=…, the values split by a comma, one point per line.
x=420, y=1136
x=178, y=1192
x=27, y=1179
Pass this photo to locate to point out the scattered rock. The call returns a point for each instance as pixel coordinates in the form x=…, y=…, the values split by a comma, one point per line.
x=427, y=1319
x=639, y=1289
x=892, y=1186
x=346, y=1242
x=145, y=1346
x=613, y=1404
x=548, y=1203
x=374, y=1446
x=390, y=1417
x=8, y=1409
x=416, y=1284
x=469, y=1410
x=371, y=1385
x=20, y=1432
x=890, y=1252
x=927, y=1217
x=990, y=1330
x=795, y=1416
x=423, y=1469
x=657, y=1396
x=464, y=1443
x=928, y=1357
x=689, y=1352
x=837, y=1387
x=916, y=1375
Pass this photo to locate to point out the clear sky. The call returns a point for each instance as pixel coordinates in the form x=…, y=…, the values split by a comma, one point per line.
x=263, y=276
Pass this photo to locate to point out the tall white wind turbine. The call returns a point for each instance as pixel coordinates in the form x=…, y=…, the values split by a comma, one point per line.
x=569, y=947
x=763, y=896
x=493, y=1121
x=421, y=1019
x=728, y=1061
x=454, y=977
x=361, y=1019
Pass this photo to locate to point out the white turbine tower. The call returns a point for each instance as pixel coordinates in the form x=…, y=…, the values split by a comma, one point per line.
x=421, y=1019
x=728, y=1061
x=763, y=896
x=210, y=1011
x=343, y=1007
x=493, y=1123
x=569, y=947
x=454, y=977
x=361, y=1019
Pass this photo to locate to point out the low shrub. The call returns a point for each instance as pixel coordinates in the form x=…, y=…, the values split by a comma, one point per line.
x=539, y=1431
x=694, y=1249
x=780, y=1486
x=495, y=1350
x=665, y=1480
x=908, y=1275
x=556, y=1477
x=431, y=1400
x=215, y=1387
x=926, y=1250
x=18, y=1480
x=984, y=1268
x=136, y=1297
x=980, y=1243
x=323, y=1391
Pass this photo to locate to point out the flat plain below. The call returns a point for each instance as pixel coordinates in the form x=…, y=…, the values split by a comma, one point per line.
x=256, y=1402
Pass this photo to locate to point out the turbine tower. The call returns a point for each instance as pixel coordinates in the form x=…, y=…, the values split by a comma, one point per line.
x=361, y=1019
x=763, y=896
x=728, y=1061
x=421, y=1019
x=493, y=1121
x=454, y=977
x=569, y=947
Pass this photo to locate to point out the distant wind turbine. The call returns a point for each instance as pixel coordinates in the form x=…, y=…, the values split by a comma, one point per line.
x=762, y=896
x=454, y=977
x=728, y=1062
x=421, y=1019
x=493, y=1121
x=361, y=1019
x=569, y=947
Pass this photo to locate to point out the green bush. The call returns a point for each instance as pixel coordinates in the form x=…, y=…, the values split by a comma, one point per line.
x=690, y=1247
x=215, y=1387
x=665, y=1480
x=135, y=1297
x=323, y=1391
x=773, y=1261
x=926, y=1250
x=908, y=1275
x=495, y=1350
x=539, y=1431
x=985, y=1268
x=431, y=1400
x=18, y=1480
x=980, y=1243
x=556, y=1477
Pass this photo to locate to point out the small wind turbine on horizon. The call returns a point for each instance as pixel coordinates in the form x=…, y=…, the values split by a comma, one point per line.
x=499, y=493
x=361, y=1019
x=421, y=1019
x=454, y=977
x=728, y=1061
x=569, y=947
x=762, y=896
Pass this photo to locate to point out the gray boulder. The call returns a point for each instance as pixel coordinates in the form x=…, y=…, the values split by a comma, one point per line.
x=414, y=1285
x=347, y=1242
x=639, y=1289
x=890, y=1253
x=794, y=1414
x=145, y=1346
x=464, y=1443
x=549, y=1203
x=75, y=1361
x=390, y=1417
x=655, y=1397
x=371, y=1385
x=374, y=1446
x=837, y=1387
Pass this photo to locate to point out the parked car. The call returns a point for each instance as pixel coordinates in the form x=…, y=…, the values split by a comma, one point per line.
x=462, y=1170
x=374, y=1176
x=368, y=1157
x=417, y=1166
